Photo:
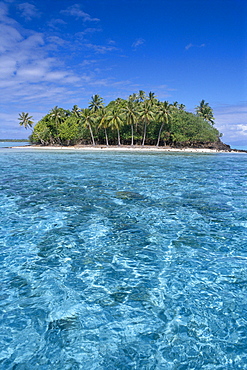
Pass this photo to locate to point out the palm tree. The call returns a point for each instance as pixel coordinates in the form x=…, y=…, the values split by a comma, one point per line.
x=200, y=107
x=141, y=95
x=115, y=121
x=103, y=118
x=87, y=119
x=208, y=115
x=119, y=102
x=56, y=116
x=146, y=115
x=25, y=120
x=163, y=115
x=75, y=110
x=181, y=107
x=96, y=103
x=131, y=115
x=152, y=97
x=205, y=111
x=133, y=97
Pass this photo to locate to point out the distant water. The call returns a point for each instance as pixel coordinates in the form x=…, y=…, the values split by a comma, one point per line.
x=239, y=147
x=6, y=144
x=123, y=260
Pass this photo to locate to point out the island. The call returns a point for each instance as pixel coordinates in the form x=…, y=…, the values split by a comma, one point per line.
x=141, y=120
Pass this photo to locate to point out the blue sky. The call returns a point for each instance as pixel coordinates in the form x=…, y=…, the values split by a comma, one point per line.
x=61, y=52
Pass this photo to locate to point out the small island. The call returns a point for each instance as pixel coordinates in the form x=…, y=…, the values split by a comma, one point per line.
x=141, y=120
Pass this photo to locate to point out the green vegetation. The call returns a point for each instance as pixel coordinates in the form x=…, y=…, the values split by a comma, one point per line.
x=140, y=120
x=25, y=120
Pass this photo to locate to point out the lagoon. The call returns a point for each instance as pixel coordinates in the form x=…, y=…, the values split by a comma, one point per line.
x=113, y=260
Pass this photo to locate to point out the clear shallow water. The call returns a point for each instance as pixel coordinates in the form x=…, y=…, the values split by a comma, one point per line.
x=123, y=261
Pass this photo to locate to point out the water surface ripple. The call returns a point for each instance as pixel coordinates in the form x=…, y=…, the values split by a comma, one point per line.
x=123, y=260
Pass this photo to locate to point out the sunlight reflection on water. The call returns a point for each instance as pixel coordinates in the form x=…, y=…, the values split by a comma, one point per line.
x=123, y=261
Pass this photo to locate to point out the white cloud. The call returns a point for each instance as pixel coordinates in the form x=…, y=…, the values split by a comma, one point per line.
x=101, y=49
x=75, y=11
x=187, y=47
x=3, y=10
x=87, y=32
x=88, y=62
x=32, y=73
x=91, y=30
x=9, y=36
x=56, y=41
x=231, y=120
x=28, y=11
x=4, y=15
x=26, y=69
x=138, y=42
x=10, y=127
x=8, y=117
x=29, y=73
x=34, y=76
x=56, y=23
x=111, y=42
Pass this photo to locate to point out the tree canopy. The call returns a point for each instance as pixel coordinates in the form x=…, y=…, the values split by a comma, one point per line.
x=25, y=120
x=141, y=119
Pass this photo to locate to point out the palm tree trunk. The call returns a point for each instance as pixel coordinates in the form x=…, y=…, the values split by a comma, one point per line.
x=106, y=138
x=132, y=135
x=91, y=132
x=41, y=140
x=118, y=137
x=144, y=134
x=161, y=127
x=58, y=138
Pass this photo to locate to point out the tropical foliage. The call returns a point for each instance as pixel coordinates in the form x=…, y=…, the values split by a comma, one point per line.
x=139, y=120
x=25, y=120
x=205, y=111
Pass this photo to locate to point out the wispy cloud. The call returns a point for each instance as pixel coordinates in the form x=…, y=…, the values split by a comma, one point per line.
x=91, y=30
x=189, y=46
x=137, y=43
x=10, y=127
x=33, y=76
x=55, y=41
x=88, y=62
x=32, y=71
x=56, y=23
x=111, y=42
x=4, y=15
x=75, y=11
x=28, y=11
x=231, y=120
x=9, y=36
x=26, y=69
x=87, y=32
x=101, y=49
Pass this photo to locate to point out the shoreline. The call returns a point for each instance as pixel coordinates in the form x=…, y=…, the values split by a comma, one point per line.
x=134, y=148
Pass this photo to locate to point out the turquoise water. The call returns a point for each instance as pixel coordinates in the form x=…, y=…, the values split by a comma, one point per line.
x=123, y=260
x=6, y=144
x=240, y=147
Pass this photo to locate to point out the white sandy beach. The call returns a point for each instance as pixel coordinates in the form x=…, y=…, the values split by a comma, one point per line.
x=122, y=148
